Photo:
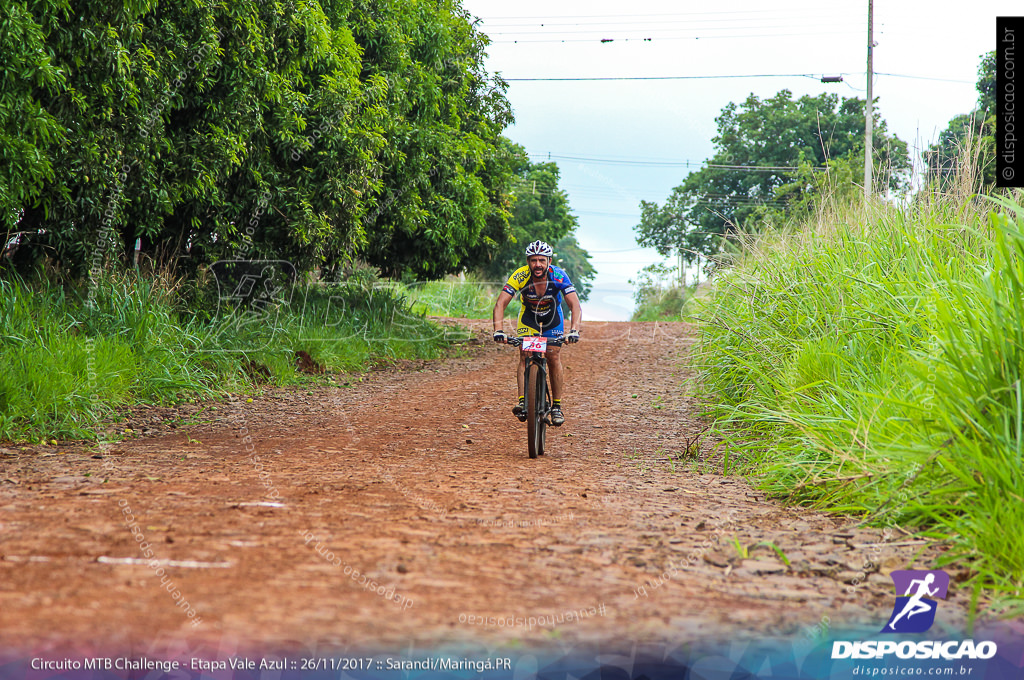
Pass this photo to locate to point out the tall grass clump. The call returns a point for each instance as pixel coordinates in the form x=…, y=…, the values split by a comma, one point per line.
x=466, y=297
x=869, y=361
x=72, y=355
x=663, y=304
x=349, y=326
x=660, y=295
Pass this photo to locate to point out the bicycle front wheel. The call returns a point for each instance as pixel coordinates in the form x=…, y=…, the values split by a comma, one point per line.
x=545, y=408
x=535, y=409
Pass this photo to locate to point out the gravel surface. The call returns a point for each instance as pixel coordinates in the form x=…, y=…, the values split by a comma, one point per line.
x=402, y=508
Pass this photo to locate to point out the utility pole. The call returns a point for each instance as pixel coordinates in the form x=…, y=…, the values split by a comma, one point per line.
x=869, y=117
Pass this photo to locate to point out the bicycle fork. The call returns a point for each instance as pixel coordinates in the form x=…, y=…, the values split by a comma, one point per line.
x=528, y=389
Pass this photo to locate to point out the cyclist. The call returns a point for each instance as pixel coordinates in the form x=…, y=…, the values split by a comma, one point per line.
x=541, y=288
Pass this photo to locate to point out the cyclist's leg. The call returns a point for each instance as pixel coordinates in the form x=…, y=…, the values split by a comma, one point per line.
x=554, y=360
x=556, y=416
x=555, y=370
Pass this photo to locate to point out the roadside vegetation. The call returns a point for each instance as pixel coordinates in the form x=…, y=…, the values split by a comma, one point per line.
x=467, y=297
x=665, y=304
x=318, y=147
x=74, y=355
x=317, y=133
x=869, y=361
x=77, y=354
x=322, y=134
x=863, y=357
x=659, y=295
x=455, y=297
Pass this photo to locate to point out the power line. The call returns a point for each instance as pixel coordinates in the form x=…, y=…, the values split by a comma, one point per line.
x=660, y=14
x=771, y=168
x=654, y=27
x=704, y=202
x=675, y=164
x=751, y=75
x=944, y=80
x=682, y=37
x=616, y=161
x=545, y=23
x=725, y=76
x=597, y=213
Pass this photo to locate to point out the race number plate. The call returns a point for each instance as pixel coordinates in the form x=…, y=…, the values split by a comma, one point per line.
x=535, y=344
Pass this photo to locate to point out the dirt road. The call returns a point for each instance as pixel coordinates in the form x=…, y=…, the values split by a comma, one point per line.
x=404, y=508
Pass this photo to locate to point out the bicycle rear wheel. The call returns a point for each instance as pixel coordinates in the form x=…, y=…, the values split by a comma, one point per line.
x=535, y=408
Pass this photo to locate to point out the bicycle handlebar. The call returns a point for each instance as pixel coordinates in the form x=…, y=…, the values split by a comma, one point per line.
x=517, y=342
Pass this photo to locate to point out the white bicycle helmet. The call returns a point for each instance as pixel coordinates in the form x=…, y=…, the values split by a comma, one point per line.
x=539, y=248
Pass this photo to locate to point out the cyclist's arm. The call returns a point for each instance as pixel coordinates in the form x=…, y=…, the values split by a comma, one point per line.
x=499, y=309
x=575, y=311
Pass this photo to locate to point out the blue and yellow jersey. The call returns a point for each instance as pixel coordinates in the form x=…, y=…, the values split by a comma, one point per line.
x=542, y=312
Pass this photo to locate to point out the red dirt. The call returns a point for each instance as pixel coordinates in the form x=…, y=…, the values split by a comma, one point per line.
x=419, y=479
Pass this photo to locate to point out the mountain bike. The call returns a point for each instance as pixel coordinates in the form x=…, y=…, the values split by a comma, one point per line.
x=535, y=387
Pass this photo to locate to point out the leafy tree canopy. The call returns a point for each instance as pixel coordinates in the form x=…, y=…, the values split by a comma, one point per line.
x=576, y=263
x=986, y=85
x=540, y=211
x=317, y=132
x=757, y=144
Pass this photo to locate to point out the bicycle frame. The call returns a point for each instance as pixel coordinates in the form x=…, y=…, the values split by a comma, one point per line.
x=539, y=359
x=536, y=391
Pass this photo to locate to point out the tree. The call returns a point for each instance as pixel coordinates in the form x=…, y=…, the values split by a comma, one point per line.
x=943, y=158
x=443, y=201
x=576, y=263
x=181, y=119
x=27, y=129
x=315, y=132
x=540, y=212
x=750, y=174
x=986, y=85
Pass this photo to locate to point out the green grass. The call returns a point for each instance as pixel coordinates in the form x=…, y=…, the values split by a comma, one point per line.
x=68, y=365
x=468, y=298
x=660, y=296
x=870, y=362
x=669, y=304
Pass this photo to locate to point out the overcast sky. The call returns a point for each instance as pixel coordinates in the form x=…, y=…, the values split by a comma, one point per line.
x=618, y=142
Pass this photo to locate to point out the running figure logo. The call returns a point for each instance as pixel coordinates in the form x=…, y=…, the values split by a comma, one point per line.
x=914, y=611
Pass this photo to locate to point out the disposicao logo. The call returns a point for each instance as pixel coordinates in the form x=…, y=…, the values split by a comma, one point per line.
x=914, y=611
